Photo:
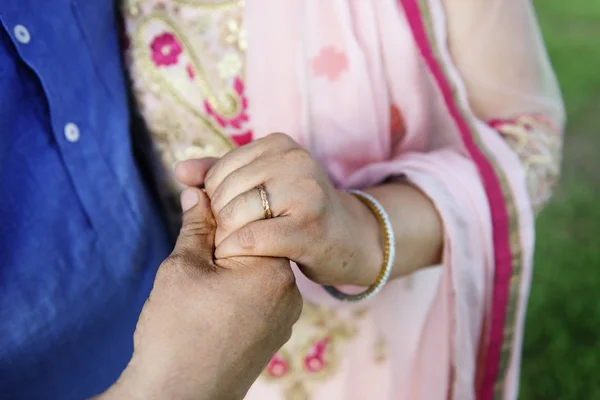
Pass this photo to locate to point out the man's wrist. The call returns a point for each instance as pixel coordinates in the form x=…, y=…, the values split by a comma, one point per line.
x=136, y=383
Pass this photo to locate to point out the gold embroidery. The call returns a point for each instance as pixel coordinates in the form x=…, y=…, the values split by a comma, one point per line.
x=132, y=9
x=381, y=350
x=360, y=313
x=296, y=392
x=161, y=84
x=235, y=34
x=230, y=66
x=217, y=5
x=537, y=142
x=176, y=68
x=227, y=107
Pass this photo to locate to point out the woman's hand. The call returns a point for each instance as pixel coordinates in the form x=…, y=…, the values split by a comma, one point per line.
x=331, y=235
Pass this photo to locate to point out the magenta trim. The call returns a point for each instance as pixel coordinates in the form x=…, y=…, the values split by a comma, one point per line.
x=500, y=228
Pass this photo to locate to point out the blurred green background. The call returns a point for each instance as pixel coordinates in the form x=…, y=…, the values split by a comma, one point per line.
x=561, y=355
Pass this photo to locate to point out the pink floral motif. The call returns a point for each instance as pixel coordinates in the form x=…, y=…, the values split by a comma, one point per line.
x=315, y=360
x=278, y=367
x=190, y=71
x=165, y=49
x=237, y=121
x=242, y=138
x=330, y=63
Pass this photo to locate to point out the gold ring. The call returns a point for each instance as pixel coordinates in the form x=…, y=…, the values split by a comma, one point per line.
x=265, y=201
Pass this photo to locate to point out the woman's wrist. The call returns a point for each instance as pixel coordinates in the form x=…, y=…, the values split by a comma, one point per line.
x=366, y=246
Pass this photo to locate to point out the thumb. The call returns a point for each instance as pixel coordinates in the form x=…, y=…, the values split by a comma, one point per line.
x=193, y=172
x=197, y=234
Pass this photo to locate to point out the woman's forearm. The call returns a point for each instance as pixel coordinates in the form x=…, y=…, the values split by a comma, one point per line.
x=417, y=228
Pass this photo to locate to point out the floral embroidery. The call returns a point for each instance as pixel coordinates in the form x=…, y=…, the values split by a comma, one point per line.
x=234, y=34
x=314, y=361
x=360, y=313
x=242, y=138
x=219, y=105
x=381, y=350
x=190, y=71
x=279, y=366
x=296, y=392
x=314, y=352
x=175, y=65
x=165, y=49
x=230, y=66
x=537, y=141
x=239, y=116
x=330, y=63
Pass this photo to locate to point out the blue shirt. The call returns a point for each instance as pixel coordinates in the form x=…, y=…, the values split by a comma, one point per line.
x=80, y=234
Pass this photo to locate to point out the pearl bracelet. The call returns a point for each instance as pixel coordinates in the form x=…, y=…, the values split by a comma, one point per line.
x=389, y=254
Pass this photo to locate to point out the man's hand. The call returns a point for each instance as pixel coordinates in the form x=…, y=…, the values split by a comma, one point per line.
x=208, y=329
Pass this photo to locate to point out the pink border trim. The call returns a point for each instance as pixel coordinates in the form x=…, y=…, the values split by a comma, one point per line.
x=498, y=208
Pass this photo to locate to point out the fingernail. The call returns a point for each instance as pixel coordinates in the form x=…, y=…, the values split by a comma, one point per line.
x=189, y=198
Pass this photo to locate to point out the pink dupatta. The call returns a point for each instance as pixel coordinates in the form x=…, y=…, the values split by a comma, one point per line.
x=328, y=73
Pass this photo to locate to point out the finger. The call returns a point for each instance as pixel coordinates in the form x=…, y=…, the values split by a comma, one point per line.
x=248, y=207
x=243, y=209
x=244, y=155
x=277, y=237
x=193, y=172
x=197, y=232
x=242, y=180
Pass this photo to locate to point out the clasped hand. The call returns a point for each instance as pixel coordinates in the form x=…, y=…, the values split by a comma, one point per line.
x=315, y=225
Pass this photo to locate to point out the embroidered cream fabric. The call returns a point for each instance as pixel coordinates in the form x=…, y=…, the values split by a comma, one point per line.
x=186, y=62
x=537, y=142
x=313, y=352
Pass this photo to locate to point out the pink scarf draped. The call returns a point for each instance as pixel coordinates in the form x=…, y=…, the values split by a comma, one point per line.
x=327, y=73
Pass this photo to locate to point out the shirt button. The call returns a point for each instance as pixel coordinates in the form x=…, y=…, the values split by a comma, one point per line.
x=22, y=34
x=71, y=132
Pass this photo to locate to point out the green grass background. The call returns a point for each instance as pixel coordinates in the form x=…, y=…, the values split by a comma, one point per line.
x=561, y=355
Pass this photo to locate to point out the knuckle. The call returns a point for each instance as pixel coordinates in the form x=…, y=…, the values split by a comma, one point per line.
x=296, y=155
x=297, y=303
x=215, y=196
x=287, y=287
x=285, y=277
x=316, y=195
x=299, y=306
x=286, y=336
x=279, y=138
x=246, y=238
x=292, y=313
x=301, y=255
x=277, y=275
x=210, y=183
x=203, y=227
x=225, y=216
